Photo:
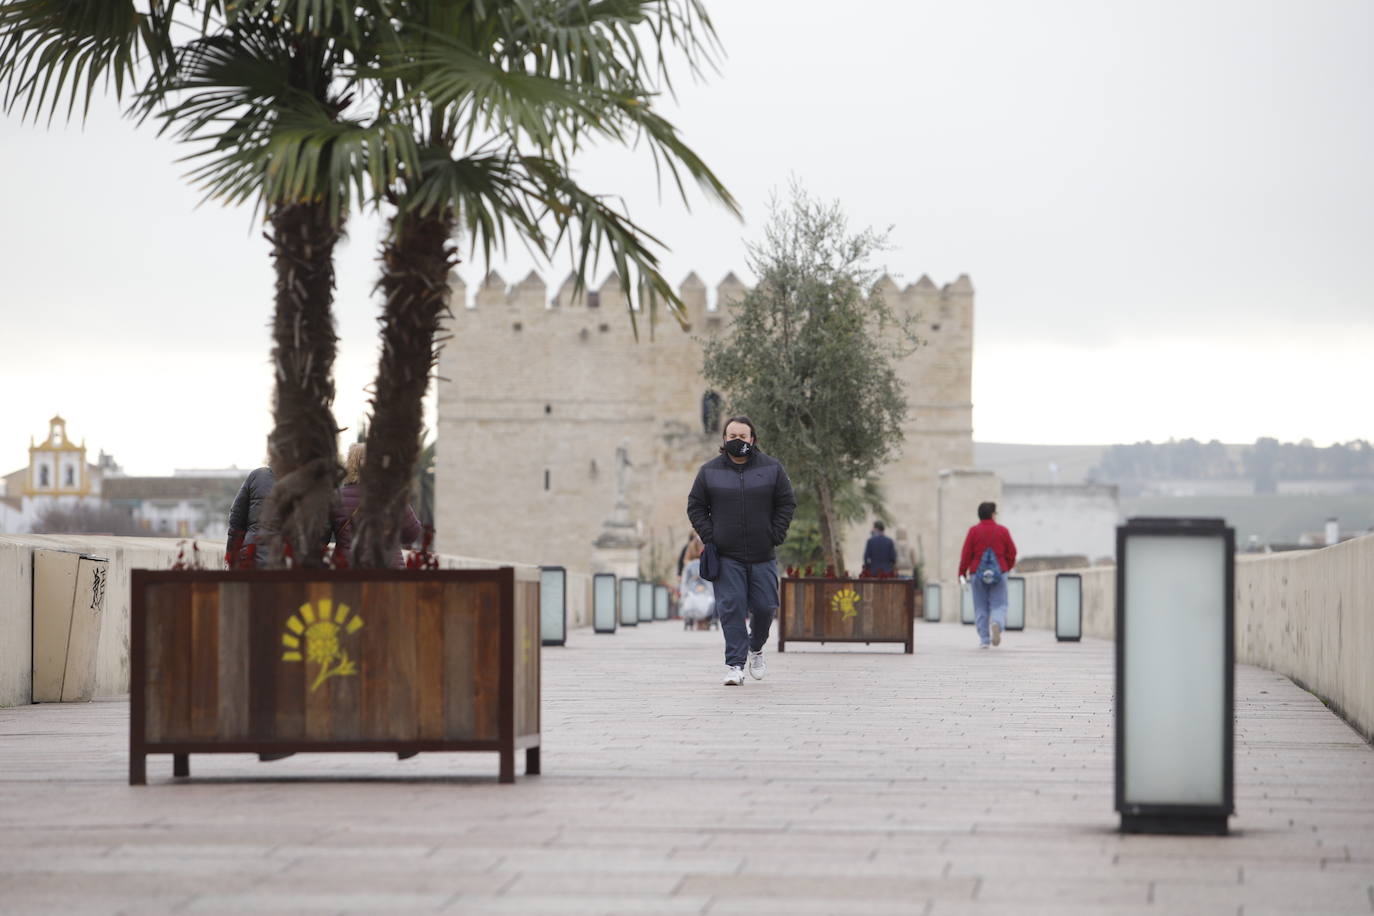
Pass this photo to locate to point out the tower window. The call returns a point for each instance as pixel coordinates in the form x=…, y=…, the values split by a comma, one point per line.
x=546, y=478
x=593, y=300
x=70, y=478
x=548, y=408
x=43, y=476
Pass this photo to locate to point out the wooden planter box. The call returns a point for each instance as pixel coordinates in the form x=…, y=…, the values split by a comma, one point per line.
x=349, y=660
x=847, y=610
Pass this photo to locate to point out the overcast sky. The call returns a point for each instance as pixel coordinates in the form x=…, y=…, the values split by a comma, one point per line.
x=1166, y=209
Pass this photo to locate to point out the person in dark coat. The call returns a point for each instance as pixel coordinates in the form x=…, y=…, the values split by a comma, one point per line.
x=247, y=536
x=742, y=502
x=346, y=507
x=880, y=554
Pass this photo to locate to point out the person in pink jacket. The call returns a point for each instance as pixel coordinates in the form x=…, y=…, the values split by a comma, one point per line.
x=346, y=506
x=988, y=556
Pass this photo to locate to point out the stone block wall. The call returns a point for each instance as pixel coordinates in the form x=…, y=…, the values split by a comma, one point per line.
x=538, y=391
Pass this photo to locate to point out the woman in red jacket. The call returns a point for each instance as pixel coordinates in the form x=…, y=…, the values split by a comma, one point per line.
x=989, y=554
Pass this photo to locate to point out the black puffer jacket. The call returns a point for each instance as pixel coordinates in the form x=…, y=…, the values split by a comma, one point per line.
x=744, y=509
x=244, y=515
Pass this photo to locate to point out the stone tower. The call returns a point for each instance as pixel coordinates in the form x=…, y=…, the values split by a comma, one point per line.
x=538, y=392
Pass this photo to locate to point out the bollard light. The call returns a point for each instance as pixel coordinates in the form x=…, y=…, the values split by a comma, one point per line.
x=932, y=603
x=646, y=602
x=629, y=602
x=1175, y=675
x=966, y=609
x=1068, y=607
x=660, y=602
x=553, y=605
x=603, y=603
x=1016, y=603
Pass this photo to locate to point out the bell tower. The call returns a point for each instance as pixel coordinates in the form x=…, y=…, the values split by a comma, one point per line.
x=57, y=466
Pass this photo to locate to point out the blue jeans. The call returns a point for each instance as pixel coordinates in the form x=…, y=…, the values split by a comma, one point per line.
x=988, y=600
x=746, y=589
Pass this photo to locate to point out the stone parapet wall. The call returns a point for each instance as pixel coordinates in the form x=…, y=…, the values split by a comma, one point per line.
x=1308, y=615
x=124, y=555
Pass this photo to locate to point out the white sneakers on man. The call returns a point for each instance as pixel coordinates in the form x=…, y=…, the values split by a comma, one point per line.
x=734, y=676
x=756, y=666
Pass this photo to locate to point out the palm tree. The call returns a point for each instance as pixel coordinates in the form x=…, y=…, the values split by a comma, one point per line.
x=266, y=91
x=269, y=97
x=500, y=96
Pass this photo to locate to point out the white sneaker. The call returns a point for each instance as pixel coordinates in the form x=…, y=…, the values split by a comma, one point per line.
x=996, y=635
x=757, y=667
x=734, y=676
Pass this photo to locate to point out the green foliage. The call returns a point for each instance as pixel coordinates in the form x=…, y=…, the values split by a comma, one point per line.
x=809, y=355
x=854, y=501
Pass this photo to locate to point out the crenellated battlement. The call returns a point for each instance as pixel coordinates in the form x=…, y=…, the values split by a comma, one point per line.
x=532, y=292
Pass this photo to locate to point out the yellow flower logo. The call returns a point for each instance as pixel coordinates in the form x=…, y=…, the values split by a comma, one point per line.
x=846, y=602
x=320, y=625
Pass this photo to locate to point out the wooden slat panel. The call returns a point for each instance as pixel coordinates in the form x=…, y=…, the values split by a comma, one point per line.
x=880, y=614
x=233, y=686
x=374, y=654
x=319, y=697
x=460, y=660
x=203, y=686
x=157, y=602
x=174, y=620
x=279, y=601
x=397, y=599
x=429, y=659
x=346, y=692
x=527, y=652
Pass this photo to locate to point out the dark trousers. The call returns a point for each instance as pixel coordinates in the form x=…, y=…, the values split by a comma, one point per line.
x=745, y=589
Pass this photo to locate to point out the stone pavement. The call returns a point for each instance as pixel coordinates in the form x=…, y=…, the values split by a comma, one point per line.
x=851, y=781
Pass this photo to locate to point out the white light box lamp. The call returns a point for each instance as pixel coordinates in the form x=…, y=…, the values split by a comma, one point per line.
x=1175, y=675
x=660, y=602
x=966, y=610
x=646, y=602
x=553, y=605
x=603, y=603
x=1016, y=603
x=1068, y=607
x=932, y=603
x=629, y=602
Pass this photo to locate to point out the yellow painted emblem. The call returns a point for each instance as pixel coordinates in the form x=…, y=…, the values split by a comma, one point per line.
x=846, y=601
x=321, y=625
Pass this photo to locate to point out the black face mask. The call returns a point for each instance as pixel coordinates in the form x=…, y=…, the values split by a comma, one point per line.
x=738, y=447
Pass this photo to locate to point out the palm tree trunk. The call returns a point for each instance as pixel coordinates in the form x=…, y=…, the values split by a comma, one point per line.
x=415, y=268
x=303, y=446
x=830, y=544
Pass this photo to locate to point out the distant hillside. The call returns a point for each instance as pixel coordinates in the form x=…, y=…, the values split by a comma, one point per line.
x=1016, y=463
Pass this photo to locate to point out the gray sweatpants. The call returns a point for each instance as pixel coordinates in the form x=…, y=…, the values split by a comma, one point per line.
x=745, y=588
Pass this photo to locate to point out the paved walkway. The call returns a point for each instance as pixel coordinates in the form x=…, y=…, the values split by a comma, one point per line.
x=953, y=781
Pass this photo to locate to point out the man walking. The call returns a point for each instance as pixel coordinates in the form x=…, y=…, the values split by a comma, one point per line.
x=989, y=554
x=880, y=554
x=742, y=503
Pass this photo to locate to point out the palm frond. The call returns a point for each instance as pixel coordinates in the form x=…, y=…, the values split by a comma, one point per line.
x=56, y=49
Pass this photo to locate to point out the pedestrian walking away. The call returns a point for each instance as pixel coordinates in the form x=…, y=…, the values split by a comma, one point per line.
x=245, y=546
x=742, y=503
x=988, y=555
x=880, y=554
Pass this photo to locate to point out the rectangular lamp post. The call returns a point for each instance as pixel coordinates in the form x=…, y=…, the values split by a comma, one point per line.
x=1016, y=603
x=966, y=610
x=1175, y=675
x=1068, y=607
x=629, y=602
x=603, y=603
x=646, y=602
x=932, y=603
x=660, y=602
x=553, y=605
